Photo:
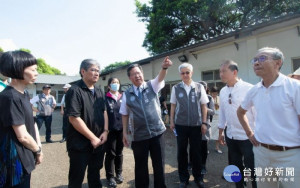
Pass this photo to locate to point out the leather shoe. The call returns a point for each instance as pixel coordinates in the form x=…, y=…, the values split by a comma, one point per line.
x=199, y=183
x=119, y=179
x=62, y=140
x=111, y=183
x=49, y=141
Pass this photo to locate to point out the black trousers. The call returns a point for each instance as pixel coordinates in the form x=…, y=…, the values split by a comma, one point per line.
x=203, y=153
x=189, y=135
x=65, y=124
x=241, y=154
x=48, y=121
x=141, y=149
x=79, y=160
x=114, y=153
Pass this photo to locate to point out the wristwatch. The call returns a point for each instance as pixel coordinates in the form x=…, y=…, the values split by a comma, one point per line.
x=105, y=130
x=204, y=123
x=38, y=152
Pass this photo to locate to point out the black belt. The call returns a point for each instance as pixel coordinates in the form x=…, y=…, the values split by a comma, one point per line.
x=278, y=148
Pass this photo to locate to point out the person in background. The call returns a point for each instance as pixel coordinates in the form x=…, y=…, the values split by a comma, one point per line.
x=66, y=87
x=188, y=116
x=239, y=146
x=206, y=137
x=20, y=144
x=114, y=145
x=276, y=137
x=163, y=107
x=214, y=91
x=141, y=100
x=46, y=104
x=295, y=75
x=3, y=80
x=88, y=128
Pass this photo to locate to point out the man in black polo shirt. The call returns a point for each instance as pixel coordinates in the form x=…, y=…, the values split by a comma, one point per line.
x=88, y=117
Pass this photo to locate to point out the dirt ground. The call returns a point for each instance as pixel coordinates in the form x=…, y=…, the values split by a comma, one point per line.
x=53, y=172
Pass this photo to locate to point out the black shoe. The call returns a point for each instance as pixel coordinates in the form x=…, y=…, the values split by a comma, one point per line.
x=49, y=141
x=183, y=184
x=111, y=183
x=62, y=140
x=199, y=183
x=119, y=178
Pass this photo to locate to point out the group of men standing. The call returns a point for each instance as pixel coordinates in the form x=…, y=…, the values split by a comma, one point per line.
x=259, y=124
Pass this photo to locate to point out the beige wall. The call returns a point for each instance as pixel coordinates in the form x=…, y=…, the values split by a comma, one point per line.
x=285, y=38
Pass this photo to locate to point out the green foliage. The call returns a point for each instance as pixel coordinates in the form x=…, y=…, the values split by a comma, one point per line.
x=1, y=50
x=115, y=65
x=175, y=23
x=25, y=50
x=44, y=68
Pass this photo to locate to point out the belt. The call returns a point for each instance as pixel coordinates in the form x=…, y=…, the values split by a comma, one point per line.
x=278, y=148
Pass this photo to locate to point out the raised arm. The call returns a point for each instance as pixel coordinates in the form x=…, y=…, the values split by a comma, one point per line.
x=165, y=65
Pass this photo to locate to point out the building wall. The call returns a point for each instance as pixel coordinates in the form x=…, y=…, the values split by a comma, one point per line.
x=286, y=39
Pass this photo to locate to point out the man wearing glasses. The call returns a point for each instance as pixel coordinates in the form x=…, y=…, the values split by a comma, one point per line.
x=276, y=137
x=189, y=117
x=240, y=151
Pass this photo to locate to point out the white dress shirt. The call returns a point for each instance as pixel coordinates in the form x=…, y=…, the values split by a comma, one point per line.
x=157, y=86
x=203, y=99
x=278, y=108
x=227, y=113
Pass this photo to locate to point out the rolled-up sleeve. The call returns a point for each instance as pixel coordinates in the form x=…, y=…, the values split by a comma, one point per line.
x=123, y=107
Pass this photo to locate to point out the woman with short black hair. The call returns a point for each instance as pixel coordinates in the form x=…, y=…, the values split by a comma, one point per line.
x=20, y=144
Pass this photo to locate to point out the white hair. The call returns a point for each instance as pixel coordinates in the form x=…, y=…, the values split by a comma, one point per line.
x=274, y=52
x=185, y=65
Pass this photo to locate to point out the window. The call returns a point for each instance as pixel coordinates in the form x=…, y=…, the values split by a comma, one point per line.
x=60, y=96
x=212, y=77
x=296, y=64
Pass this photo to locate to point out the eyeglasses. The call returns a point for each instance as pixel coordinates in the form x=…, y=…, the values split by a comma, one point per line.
x=259, y=59
x=183, y=73
x=229, y=99
x=95, y=70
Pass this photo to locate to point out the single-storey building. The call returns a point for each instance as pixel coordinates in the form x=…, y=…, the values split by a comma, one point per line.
x=206, y=56
x=56, y=81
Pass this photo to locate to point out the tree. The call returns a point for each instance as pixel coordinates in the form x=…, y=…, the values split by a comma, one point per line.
x=1, y=50
x=175, y=23
x=115, y=65
x=44, y=68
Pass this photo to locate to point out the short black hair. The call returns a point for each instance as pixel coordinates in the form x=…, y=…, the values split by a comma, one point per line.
x=214, y=89
x=111, y=79
x=13, y=63
x=231, y=65
x=132, y=66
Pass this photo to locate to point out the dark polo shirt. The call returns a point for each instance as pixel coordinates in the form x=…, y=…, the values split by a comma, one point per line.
x=89, y=106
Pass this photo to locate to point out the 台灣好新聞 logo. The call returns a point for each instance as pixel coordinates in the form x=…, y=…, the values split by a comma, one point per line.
x=232, y=173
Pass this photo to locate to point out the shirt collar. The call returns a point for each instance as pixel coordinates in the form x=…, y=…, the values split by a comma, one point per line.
x=279, y=80
x=238, y=83
x=192, y=85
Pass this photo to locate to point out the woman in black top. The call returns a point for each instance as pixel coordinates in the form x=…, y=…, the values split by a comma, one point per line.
x=20, y=145
x=114, y=144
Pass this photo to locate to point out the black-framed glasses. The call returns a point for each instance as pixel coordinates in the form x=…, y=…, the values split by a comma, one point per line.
x=259, y=59
x=230, y=99
x=183, y=73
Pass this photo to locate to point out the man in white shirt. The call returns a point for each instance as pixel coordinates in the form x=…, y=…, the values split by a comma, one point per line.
x=65, y=126
x=141, y=100
x=189, y=117
x=276, y=138
x=240, y=151
x=46, y=104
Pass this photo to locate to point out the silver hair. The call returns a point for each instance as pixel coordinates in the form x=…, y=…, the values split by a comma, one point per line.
x=185, y=65
x=274, y=52
x=87, y=63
